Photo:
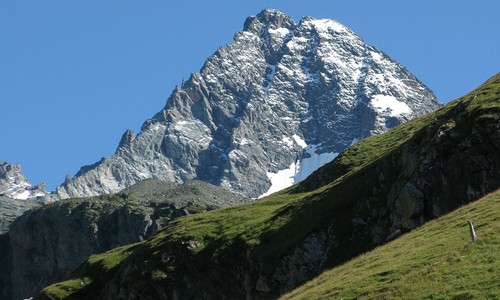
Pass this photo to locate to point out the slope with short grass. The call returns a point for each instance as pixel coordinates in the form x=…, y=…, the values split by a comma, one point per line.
x=437, y=261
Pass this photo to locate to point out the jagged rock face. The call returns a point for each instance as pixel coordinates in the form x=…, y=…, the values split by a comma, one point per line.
x=265, y=111
x=17, y=195
x=46, y=244
x=14, y=185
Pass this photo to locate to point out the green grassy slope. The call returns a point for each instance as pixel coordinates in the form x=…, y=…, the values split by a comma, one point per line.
x=436, y=261
x=357, y=185
x=215, y=229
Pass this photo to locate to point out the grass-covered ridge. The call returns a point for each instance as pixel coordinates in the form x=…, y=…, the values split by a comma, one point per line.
x=221, y=227
x=256, y=237
x=437, y=261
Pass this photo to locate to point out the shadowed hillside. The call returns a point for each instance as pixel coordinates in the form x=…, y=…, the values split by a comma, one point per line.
x=437, y=261
x=47, y=243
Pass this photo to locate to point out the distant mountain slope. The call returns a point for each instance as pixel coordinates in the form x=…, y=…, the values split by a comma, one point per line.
x=379, y=187
x=46, y=243
x=265, y=111
x=437, y=261
x=10, y=209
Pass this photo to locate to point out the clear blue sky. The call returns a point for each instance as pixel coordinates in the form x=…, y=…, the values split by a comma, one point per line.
x=74, y=75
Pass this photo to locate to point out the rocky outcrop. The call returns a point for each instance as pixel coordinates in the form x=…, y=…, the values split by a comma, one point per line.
x=14, y=185
x=265, y=111
x=45, y=244
x=306, y=261
x=17, y=195
x=127, y=138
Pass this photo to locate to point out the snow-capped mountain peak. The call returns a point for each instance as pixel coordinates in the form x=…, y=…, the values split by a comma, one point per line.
x=265, y=111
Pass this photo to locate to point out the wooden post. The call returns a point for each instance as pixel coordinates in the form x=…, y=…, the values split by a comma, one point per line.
x=472, y=232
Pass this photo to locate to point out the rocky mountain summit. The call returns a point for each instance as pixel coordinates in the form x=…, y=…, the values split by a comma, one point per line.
x=47, y=243
x=14, y=185
x=265, y=111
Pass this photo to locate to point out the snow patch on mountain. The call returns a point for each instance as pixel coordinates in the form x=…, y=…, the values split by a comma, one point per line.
x=326, y=27
x=300, y=169
x=299, y=141
x=281, y=179
x=308, y=165
x=354, y=141
x=384, y=103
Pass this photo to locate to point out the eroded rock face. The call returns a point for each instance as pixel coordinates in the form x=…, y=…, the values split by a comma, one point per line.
x=47, y=243
x=458, y=168
x=306, y=261
x=275, y=104
x=409, y=207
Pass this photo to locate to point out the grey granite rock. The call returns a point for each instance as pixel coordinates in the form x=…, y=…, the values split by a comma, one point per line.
x=14, y=185
x=275, y=104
